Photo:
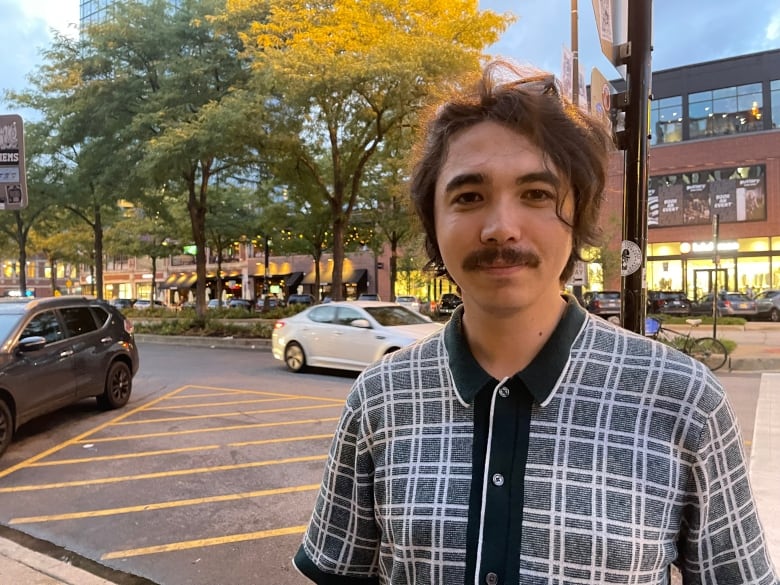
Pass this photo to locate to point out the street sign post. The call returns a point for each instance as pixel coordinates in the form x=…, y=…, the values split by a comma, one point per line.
x=13, y=181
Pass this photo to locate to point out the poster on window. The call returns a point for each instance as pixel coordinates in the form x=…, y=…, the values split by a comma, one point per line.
x=697, y=204
x=670, y=205
x=736, y=194
x=751, y=199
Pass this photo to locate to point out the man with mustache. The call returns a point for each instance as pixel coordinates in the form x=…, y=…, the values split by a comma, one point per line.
x=529, y=442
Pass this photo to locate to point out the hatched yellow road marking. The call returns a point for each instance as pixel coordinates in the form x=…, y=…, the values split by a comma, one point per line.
x=160, y=474
x=225, y=414
x=209, y=430
x=163, y=505
x=123, y=456
x=226, y=403
x=82, y=436
x=120, y=456
x=203, y=542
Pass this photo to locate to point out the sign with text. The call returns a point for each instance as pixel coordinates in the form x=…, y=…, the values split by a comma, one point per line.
x=735, y=194
x=13, y=183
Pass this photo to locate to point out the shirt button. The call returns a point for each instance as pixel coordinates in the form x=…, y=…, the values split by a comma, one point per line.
x=503, y=392
x=498, y=481
x=491, y=579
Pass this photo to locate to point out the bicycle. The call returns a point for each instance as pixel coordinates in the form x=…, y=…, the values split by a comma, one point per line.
x=708, y=350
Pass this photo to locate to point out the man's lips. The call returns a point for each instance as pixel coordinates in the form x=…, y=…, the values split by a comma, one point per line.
x=498, y=258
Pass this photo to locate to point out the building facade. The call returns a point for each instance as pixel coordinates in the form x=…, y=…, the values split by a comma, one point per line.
x=97, y=11
x=714, y=157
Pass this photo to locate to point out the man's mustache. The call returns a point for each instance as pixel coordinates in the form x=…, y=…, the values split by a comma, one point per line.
x=498, y=257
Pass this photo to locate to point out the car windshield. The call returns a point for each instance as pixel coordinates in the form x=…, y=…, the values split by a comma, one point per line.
x=390, y=316
x=609, y=295
x=7, y=323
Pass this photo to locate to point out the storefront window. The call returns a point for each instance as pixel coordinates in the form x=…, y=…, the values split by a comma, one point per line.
x=666, y=120
x=727, y=110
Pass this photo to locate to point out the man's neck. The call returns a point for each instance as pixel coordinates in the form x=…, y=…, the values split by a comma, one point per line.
x=504, y=345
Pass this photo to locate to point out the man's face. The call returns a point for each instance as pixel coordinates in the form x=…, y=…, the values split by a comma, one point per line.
x=496, y=222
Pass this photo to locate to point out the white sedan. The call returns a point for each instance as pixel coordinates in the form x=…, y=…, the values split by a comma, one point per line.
x=346, y=335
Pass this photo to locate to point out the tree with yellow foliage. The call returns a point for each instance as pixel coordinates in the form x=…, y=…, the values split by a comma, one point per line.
x=335, y=79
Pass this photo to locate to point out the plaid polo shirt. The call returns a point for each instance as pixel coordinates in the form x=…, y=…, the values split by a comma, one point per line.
x=607, y=459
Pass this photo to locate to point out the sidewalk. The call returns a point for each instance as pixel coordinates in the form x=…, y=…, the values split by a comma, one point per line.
x=758, y=349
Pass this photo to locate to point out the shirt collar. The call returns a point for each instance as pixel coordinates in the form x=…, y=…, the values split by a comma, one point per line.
x=540, y=376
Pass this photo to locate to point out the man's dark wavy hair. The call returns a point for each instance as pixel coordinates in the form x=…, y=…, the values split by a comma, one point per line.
x=575, y=143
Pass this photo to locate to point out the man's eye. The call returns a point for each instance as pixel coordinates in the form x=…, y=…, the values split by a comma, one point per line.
x=468, y=197
x=539, y=195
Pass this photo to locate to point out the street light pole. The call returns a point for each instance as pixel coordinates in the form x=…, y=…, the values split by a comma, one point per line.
x=265, y=271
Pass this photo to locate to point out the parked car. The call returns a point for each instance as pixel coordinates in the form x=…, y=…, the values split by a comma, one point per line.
x=410, y=302
x=369, y=297
x=447, y=304
x=146, y=303
x=730, y=304
x=768, y=305
x=347, y=335
x=272, y=302
x=245, y=304
x=604, y=303
x=58, y=350
x=668, y=303
x=122, y=303
x=300, y=299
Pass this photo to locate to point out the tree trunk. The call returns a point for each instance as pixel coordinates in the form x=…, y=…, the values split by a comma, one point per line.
x=98, y=231
x=336, y=286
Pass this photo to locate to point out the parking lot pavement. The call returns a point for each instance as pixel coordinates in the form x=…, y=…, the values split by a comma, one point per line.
x=200, y=476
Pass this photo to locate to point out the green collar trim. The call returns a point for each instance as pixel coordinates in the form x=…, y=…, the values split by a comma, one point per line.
x=540, y=376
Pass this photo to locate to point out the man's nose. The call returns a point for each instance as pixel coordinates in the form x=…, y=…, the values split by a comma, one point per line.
x=502, y=223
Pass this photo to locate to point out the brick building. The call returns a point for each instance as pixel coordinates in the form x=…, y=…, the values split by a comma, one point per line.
x=715, y=150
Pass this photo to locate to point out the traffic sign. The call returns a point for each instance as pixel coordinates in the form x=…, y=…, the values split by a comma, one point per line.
x=13, y=182
x=601, y=92
x=612, y=22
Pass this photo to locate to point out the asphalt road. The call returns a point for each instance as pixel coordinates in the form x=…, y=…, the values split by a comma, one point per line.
x=207, y=477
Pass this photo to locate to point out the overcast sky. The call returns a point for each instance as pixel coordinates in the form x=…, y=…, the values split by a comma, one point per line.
x=684, y=32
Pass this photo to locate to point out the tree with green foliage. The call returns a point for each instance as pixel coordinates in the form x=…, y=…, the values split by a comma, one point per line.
x=339, y=78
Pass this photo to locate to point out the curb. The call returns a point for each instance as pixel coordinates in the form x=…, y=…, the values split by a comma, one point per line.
x=735, y=363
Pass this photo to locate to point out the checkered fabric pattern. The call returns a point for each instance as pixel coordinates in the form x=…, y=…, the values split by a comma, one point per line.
x=634, y=462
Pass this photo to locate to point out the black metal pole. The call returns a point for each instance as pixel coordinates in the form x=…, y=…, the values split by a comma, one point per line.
x=634, y=248
x=716, y=261
x=265, y=272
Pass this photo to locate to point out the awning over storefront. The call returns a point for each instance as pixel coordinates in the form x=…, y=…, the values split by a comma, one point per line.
x=179, y=280
x=289, y=280
x=349, y=276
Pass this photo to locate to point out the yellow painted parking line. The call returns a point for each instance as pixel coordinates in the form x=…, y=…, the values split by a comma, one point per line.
x=120, y=456
x=282, y=440
x=210, y=430
x=230, y=403
x=82, y=436
x=164, y=505
x=269, y=393
x=123, y=456
x=158, y=475
x=211, y=415
x=203, y=542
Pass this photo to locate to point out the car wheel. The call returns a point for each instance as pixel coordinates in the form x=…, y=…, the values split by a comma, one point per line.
x=119, y=384
x=774, y=315
x=294, y=358
x=6, y=426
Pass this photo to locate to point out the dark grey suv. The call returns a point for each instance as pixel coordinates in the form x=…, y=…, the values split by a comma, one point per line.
x=56, y=351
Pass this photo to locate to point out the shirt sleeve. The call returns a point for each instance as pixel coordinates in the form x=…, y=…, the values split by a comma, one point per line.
x=341, y=544
x=721, y=540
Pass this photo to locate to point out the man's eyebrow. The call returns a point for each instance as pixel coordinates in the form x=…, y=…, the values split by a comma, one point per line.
x=541, y=177
x=464, y=179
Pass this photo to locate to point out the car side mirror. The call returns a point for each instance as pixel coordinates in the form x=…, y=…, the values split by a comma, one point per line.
x=362, y=323
x=33, y=343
